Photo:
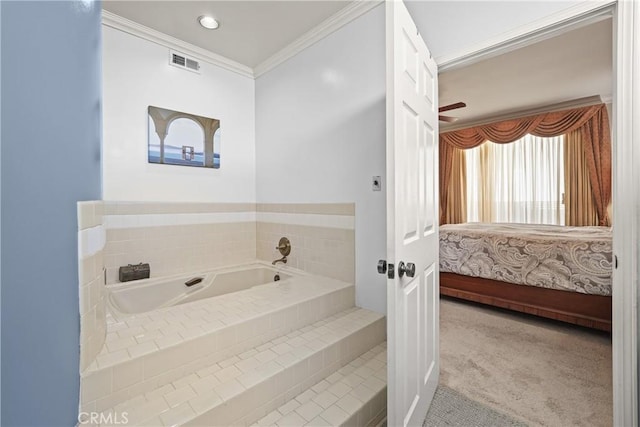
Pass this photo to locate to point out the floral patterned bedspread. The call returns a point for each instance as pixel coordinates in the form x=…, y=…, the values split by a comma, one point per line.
x=574, y=259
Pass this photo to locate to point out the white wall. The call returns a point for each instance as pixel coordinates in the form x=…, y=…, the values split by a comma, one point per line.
x=320, y=137
x=449, y=27
x=137, y=74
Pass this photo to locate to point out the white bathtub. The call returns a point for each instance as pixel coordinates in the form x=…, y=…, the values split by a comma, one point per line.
x=140, y=296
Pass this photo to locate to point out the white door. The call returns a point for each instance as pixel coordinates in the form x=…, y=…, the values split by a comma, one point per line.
x=412, y=231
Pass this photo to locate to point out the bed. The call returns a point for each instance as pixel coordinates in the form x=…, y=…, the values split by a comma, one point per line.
x=562, y=273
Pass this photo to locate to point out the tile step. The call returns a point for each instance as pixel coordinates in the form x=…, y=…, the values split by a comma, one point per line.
x=247, y=386
x=227, y=325
x=355, y=395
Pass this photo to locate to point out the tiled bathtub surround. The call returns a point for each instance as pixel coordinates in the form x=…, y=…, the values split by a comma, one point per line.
x=148, y=354
x=322, y=236
x=178, y=237
x=91, y=242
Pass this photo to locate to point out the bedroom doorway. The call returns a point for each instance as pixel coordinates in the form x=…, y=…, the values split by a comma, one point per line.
x=625, y=275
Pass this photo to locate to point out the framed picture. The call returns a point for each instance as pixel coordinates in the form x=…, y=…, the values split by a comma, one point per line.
x=183, y=139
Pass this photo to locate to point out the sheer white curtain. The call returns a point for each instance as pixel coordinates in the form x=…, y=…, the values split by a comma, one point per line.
x=521, y=182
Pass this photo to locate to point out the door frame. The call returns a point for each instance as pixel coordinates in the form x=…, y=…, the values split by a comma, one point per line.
x=625, y=191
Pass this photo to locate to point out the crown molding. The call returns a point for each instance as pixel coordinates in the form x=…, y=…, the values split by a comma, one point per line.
x=354, y=10
x=583, y=13
x=119, y=23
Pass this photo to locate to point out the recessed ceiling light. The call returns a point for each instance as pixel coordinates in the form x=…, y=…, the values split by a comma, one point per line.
x=208, y=22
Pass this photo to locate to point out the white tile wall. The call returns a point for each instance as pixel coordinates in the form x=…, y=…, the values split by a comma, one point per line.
x=178, y=237
x=322, y=237
x=344, y=222
x=92, y=294
x=181, y=237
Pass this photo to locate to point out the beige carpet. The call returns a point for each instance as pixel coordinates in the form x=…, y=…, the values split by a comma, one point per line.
x=537, y=371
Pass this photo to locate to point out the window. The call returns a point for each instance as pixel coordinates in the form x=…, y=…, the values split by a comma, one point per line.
x=521, y=182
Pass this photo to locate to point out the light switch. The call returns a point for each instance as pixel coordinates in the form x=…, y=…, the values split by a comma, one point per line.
x=376, y=183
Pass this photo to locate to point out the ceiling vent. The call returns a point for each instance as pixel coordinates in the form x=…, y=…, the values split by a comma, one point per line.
x=182, y=61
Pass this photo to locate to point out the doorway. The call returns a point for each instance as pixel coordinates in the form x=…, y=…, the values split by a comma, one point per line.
x=624, y=194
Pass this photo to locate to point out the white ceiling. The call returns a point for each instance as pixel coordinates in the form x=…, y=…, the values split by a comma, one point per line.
x=571, y=66
x=249, y=33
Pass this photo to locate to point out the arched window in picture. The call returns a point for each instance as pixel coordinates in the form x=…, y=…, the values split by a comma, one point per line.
x=183, y=139
x=184, y=144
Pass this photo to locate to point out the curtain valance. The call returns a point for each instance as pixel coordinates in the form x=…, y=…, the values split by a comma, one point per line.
x=592, y=121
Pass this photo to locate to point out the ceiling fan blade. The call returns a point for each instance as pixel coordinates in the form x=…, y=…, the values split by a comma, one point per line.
x=451, y=107
x=447, y=119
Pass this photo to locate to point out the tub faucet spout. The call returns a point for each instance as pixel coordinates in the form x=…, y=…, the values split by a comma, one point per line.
x=282, y=260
